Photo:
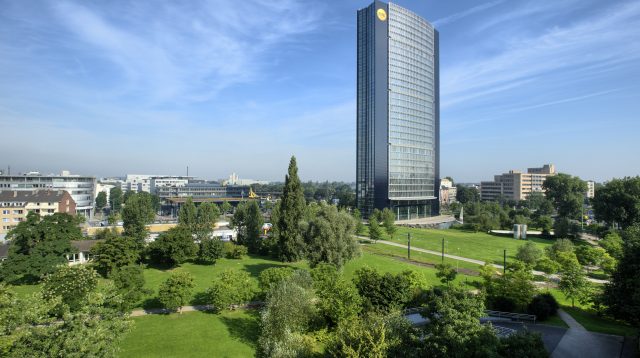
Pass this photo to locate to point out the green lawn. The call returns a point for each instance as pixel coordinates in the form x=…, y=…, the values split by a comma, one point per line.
x=474, y=245
x=420, y=257
x=193, y=334
x=587, y=317
x=204, y=274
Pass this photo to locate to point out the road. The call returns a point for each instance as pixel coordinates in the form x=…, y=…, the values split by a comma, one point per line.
x=466, y=259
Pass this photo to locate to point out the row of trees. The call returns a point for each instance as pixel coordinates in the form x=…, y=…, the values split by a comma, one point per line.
x=362, y=318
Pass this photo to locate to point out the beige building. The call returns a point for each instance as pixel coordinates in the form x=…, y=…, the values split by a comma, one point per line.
x=16, y=204
x=515, y=184
x=448, y=192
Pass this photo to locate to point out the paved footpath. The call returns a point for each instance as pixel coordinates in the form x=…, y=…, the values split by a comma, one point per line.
x=138, y=313
x=465, y=259
x=580, y=343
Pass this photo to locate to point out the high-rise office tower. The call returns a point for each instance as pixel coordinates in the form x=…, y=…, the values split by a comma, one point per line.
x=398, y=144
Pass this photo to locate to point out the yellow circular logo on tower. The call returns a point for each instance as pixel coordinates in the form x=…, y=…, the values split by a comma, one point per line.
x=382, y=15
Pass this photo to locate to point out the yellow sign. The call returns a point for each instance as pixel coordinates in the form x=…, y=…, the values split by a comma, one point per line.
x=382, y=15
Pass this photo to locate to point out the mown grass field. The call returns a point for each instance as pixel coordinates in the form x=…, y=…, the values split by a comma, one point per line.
x=193, y=334
x=474, y=245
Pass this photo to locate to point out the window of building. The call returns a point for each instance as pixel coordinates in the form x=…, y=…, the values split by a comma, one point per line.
x=6, y=220
x=5, y=212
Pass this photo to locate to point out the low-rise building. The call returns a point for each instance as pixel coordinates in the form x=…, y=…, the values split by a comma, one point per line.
x=516, y=185
x=81, y=188
x=15, y=205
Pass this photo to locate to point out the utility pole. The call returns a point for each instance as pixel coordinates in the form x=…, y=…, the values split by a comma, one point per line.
x=409, y=245
x=443, y=250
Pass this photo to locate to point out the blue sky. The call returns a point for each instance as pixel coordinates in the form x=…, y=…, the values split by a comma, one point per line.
x=115, y=87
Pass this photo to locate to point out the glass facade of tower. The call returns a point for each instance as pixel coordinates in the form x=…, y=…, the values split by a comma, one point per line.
x=398, y=112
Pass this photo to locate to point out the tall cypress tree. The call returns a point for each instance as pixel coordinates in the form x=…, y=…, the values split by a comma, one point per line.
x=290, y=241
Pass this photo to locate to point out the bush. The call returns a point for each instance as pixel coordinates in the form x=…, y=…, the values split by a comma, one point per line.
x=272, y=276
x=210, y=250
x=543, y=306
x=523, y=344
x=231, y=287
x=233, y=251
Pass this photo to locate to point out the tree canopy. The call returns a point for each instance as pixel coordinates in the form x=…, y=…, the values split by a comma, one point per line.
x=329, y=237
x=567, y=194
x=618, y=201
x=38, y=245
x=292, y=207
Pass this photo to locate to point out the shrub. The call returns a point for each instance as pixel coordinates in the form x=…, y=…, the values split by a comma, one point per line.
x=233, y=251
x=522, y=344
x=231, y=287
x=210, y=250
x=543, y=306
x=272, y=276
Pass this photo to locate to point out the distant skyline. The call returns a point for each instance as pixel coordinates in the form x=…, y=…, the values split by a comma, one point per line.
x=110, y=88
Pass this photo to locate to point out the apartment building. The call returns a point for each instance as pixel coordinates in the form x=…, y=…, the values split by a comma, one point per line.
x=81, y=188
x=516, y=185
x=16, y=204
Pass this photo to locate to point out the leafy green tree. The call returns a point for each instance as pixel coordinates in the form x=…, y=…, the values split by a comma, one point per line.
x=560, y=245
x=574, y=284
x=548, y=266
x=516, y=285
x=288, y=313
x=543, y=306
x=388, y=221
x=129, y=281
x=529, y=253
x=454, y=328
x=618, y=202
x=622, y=293
x=101, y=201
x=175, y=292
x=539, y=203
x=210, y=250
x=225, y=208
x=590, y=256
x=338, y=299
x=383, y=292
x=72, y=284
x=357, y=216
x=612, y=242
x=253, y=227
x=522, y=344
x=329, y=237
x=206, y=219
x=466, y=195
x=446, y=273
x=231, y=287
x=115, y=199
x=375, y=233
x=32, y=326
x=367, y=336
x=127, y=195
x=173, y=247
x=272, y=276
x=566, y=193
x=233, y=251
x=39, y=245
x=564, y=228
x=290, y=240
x=136, y=214
x=545, y=223
x=114, y=252
x=187, y=215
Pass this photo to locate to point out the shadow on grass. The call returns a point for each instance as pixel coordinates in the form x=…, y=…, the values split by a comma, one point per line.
x=151, y=302
x=200, y=298
x=244, y=329
x=161, y=267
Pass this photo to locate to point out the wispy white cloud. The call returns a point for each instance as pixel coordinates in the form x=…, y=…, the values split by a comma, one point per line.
x=565, y=100
x=190, y=50
x=609, y=37
x=457, y=16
